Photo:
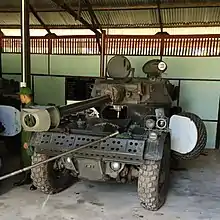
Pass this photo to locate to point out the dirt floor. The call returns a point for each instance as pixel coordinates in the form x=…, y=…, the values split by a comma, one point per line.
x=194, y=194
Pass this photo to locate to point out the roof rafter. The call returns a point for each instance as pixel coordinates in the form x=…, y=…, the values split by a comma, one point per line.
x=78, y=17
x=65, y=7
x=39, y=19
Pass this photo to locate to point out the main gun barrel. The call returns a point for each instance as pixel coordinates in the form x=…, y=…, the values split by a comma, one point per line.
x=83, y=105
x=38, y=119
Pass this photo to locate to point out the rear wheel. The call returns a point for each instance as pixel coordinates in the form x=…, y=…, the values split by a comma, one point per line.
x=153, y=181
x=51, y=177
x=201, y=138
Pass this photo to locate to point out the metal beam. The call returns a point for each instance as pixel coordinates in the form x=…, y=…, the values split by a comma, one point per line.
x=102, y=56
x=144, y=6
x=25, y=44
x=161, y=29
x=1, y=50
x=172, y=25
x=39, y=19
x=95, y=23
x=79, y=8
x=159, y=16
x=92, y=15
x=74, y=14
x=154, y=6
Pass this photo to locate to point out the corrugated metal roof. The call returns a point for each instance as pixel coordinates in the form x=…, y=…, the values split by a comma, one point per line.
x=50, y=5
x=171, y=17
x=130, y=18
x=59, y=18
x=196, y=16
x=38, y=4
x=116, y=3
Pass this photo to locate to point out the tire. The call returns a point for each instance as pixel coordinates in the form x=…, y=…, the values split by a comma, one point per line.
x=46, y=180
x=175, y=110
x=13, y=144
x=201, y=141
x=151, y=195
x=1, y=165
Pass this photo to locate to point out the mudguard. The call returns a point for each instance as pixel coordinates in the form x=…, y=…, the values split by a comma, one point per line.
x=10, y=119
x=154, y=149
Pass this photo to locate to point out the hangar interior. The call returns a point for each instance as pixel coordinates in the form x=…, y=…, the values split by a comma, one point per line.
x=194, y=65
x=67, y=51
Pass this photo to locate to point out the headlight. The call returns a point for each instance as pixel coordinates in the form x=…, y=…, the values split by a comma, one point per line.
x=161, y=123
x=115, y=166
x=162, y=66
x=153, y=136
x=69, y=160
x=150, y=123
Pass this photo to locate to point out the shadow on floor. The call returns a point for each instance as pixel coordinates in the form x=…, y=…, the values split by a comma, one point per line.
x=10, y=163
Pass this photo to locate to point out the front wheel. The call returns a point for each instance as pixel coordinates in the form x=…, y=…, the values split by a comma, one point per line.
x=153, y=181
x=50, y=178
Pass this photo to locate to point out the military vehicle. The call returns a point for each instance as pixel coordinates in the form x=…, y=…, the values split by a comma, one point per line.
x=10, y=125
x=152, y=129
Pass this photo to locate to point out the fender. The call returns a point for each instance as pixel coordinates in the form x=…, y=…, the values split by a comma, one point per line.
x=154, y=148
x=10, y=119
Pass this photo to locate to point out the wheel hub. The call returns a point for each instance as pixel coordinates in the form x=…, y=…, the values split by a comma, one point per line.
x=58, y=168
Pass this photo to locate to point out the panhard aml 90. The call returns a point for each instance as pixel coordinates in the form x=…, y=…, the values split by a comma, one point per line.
x=152, y=130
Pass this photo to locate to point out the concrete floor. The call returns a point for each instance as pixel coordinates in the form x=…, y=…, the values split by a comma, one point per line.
x=194, y=194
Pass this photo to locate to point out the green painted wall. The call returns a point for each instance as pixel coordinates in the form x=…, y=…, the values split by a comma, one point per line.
x=200, y=97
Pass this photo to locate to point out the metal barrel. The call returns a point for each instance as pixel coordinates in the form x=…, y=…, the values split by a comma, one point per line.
x=83, y=105
x=58, y=156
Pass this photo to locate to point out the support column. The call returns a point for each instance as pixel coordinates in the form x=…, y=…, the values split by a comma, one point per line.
x=161, y=29
x=25, y=45
x=49, y=36
x=1, y=49
x=102, y=56
x=217, y=138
